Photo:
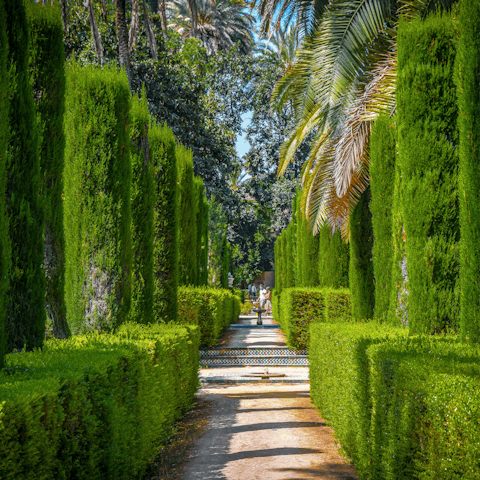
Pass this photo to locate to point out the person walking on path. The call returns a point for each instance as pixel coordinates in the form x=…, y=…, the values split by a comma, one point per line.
x=268, y=301
x=249, y=291
x=254, y=291
x=262, y=296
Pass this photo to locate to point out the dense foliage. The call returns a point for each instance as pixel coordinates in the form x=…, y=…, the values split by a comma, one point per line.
x=5, y=86
x=25, y=301
x=46, y=64
x=428, y=154
x=333, y=259
x=96, y=406
x=142, y=205
x=97, y=199
x=382, y=175
x=361, y=277
x=468, y=91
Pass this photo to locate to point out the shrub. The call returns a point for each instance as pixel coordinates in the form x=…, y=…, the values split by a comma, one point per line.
x=98, y=406
x=5, y=87
x=202, y=232
x=25, y=300
x=142, y=202
x=187, y=234
x=333, y=259
x=427, y=139
x=97, y=199
x=165, y=242
x=247, y=307
x=468, y=92
x=340, y=382
x=300, y=307
x=382, y=176
x=361, y=278
x=212, y=309
x=47, y=72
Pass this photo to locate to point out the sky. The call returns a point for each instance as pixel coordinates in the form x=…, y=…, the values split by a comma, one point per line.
x=242, y=145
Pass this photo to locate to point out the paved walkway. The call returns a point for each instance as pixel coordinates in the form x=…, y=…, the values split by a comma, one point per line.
x=264, y=431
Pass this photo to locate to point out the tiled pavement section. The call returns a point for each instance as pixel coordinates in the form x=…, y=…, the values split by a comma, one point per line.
x=250, y=353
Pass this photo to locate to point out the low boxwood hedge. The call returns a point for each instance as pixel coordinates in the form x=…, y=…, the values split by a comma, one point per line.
x=212, y=309
x=401, y=407
x=95, y=406
x=296, y=308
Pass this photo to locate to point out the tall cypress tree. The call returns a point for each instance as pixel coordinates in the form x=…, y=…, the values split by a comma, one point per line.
x=468, y=90
x=361, y=265
x=333, y=259
x=300, y=241
x=5, y=88
x=25, y=321
x=427, y=140
x=142, y=200
x=202, y=232
x=165, y=242
x=47, y=71
x=187, y=232
x=97, y=199
x=382, y=176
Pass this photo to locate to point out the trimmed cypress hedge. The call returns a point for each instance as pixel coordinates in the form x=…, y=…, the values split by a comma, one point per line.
x=165, y=242
x=97, y=199
x=467, y=73
x=290, y=255
x=142, y=204
x=47, y=71
x=297, y=308
x=427, y=140
x=361, y=278
x=5, y=88
x=299, y=241
x=96, y=406
x=187, y=234
x=25, y=305
x=212, y=309
x=202, y=232
x=333, y=259
x=382, y=179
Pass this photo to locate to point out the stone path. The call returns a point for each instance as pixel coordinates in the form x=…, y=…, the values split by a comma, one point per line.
x=264, y=431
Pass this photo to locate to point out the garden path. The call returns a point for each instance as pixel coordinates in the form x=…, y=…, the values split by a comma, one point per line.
x=267, y=431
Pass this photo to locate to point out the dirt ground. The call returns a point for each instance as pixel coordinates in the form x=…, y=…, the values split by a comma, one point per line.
x=268, y=432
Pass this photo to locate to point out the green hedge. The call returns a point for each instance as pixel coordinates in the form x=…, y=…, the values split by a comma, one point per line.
x=333, y=259
x=187, y=228
x=401, y=407
x=165, y=241
x=340, y=382
x=467, y=73
x=142, y=204
x=427, y=140
x=202, y=232
x=47, y=71
x=212, y=309
x=97, y=406
x=382, y=179
x=5, y=87
x=296, y=308
x=361, y=279
x=25, y=300
x=97, y=199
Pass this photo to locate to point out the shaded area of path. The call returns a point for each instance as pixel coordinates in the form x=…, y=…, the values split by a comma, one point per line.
x=267, y=432
x=263, y=431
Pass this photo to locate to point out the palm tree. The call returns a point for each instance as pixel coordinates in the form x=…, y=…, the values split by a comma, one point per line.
x=220, y=23
x=342, y=78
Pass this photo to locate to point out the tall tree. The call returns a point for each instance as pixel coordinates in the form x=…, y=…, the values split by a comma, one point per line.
x=122, y=37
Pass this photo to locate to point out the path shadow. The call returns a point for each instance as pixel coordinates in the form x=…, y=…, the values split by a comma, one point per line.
x=248, y=410
x=327, y=469
x=273, y=426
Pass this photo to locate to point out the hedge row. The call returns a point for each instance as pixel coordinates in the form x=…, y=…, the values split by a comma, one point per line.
x=296, y=308
x=96, y=406
x=401, y=407
x=428, y=158
x=212, y=309
x=5, y=86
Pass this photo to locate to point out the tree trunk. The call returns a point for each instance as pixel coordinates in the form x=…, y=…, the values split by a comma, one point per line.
x=104, y=11
x=192, y=6
x=122, y=37
x=152, y=43
x=132, y=34
x=64, y=10
x=97, y=39
x=163, y=16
